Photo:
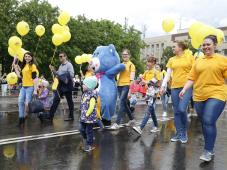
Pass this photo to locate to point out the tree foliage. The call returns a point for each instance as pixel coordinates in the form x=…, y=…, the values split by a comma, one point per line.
x=87, y=34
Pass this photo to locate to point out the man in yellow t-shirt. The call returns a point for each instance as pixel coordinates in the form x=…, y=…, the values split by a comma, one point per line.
x=123, y=83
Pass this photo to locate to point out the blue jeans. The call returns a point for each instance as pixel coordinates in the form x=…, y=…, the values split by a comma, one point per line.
x=25, y=97
x=86, y=130
x=124, y=107
x=165, y=100
x=150, y=113
x=208, y=112
x=179, y=108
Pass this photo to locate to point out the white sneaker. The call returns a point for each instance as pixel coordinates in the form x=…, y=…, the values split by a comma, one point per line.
x=189, y=115
x=115, y=126
x=131, y=123
x=164, y=114
x=137, y=129
x=154, y=130
x=207, y=156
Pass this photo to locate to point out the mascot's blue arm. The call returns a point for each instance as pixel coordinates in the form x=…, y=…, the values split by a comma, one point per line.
x=111, y=73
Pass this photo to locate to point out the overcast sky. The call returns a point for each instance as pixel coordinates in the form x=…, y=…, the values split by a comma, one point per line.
x=149, y=12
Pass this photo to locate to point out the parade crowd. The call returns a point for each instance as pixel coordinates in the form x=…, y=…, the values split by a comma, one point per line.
x=200, y=80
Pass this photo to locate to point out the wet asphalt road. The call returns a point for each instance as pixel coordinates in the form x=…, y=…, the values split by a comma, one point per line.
x=58, y=146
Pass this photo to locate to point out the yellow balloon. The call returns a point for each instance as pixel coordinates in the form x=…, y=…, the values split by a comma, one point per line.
x=40, y=30
x=89, y=57
x=78, y=59
x=63, y=18
x=57, y=29
x=220, y=36
x=55, y=84
x=57, y=39
x=84, y=58
x=66, y=36
x=198, y=54
x=11, y=78
x=195, y=44
x=203, y=32
x=20, y=54
x=22, y=28
x=194, y=28
x=12, y=52
x=15, y=43
x=9, y=151
x=66, y=28
x=168, y=24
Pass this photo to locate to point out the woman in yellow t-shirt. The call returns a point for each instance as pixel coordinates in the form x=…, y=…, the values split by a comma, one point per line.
x=28, y=74
x=179, y=67
x=123, y=84
x=208, y=76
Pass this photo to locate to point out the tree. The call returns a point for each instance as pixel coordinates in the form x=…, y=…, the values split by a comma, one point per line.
x=7, y=25
x=87, y=34
x=166, y=55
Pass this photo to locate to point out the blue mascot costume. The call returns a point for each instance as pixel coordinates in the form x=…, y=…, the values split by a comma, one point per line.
x=106, y=64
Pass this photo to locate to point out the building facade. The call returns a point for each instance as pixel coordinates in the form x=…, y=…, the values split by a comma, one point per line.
x=155, y=45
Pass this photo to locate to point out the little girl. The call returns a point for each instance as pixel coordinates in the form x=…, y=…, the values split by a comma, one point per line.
x=88, y=111
x=150, y=99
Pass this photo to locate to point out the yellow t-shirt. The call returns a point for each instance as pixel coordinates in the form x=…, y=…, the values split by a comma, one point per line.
x=208, y=74
x=27, y=80
x=89, y=74
x=149, y=74
x=125, y=76
x=180, y=66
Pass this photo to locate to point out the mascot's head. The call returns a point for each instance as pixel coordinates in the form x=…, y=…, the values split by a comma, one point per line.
x=104, y=58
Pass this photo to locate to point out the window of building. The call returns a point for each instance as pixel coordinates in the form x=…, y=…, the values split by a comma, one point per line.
x=225, y=52
x=225, y=40
x=162, y=46
x=157, y=47
x=152, y=49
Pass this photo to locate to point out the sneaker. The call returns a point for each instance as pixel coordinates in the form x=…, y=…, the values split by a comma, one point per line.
x=137, y=129
x=184, y=138
x=175, y=138
x=40, y=116
x=88, y=148
x=154, y=130
x=164, y=114
x=115, y=126
x=207, y=156
x=130, y=123
x=189, y=115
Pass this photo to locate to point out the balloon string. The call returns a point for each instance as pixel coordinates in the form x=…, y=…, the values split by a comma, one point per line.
x=52, y=73
x=52, y=59
x=15, y=61
x=199, y=50
x=36, y=48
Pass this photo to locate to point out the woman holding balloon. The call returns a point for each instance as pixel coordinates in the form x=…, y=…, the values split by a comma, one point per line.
x=179, y=66
x=208, y=76
x=28, y=73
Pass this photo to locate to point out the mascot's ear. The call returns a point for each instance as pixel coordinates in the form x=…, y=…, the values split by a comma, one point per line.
x=112, y=49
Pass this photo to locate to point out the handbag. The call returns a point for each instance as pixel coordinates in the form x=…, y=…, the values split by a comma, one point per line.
x=35, y=106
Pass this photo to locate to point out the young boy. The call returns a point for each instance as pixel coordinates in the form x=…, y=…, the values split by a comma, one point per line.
x=152, y=79
x=88, y=111
x=134, y=93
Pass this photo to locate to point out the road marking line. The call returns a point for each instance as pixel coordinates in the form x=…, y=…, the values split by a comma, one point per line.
x=58, y=134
